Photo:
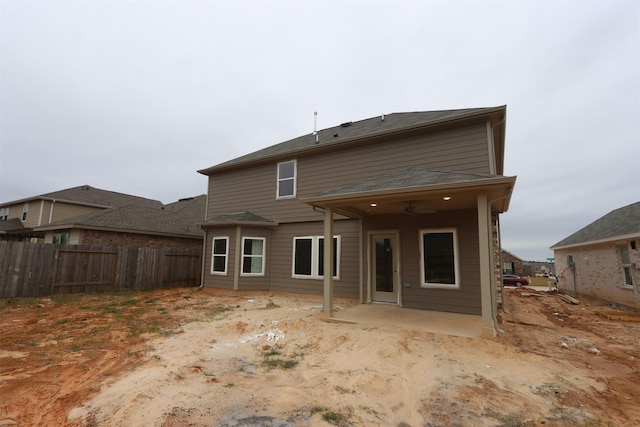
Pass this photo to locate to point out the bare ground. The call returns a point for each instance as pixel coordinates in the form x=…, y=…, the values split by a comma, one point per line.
x=187, y=357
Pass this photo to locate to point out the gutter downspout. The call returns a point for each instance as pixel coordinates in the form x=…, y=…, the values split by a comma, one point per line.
x=204, y=244
x=494, y=303
x=51, y=211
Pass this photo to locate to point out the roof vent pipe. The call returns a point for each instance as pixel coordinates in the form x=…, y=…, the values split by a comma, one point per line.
x=382, y=118
x=315, y=123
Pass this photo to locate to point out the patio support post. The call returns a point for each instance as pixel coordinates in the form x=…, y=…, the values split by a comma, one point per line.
x=238, y=259
x=484, y=238
x=327, y=302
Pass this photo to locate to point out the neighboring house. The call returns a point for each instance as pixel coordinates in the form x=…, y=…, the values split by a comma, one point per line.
x=409, y=200
x=19, y=218
x=86, y=215
x=603, y=258
x=174, y=225
x=511, y=264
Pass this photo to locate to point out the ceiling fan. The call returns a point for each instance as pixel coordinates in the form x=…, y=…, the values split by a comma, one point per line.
x=411, y=210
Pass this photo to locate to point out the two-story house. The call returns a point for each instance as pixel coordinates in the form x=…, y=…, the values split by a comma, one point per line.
x=20, y=218
x=410, y=202
x=86, y=215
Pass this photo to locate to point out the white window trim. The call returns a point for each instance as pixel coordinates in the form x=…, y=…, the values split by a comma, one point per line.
x=315, y=258
x=622, y=247
x=456, y=259
x=242, y=256
x=226, y=255
x=294, y=178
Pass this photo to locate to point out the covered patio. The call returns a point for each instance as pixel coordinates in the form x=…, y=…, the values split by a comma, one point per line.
x=418, y=190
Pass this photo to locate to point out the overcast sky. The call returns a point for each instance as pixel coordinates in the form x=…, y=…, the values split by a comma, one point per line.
x=136, y=96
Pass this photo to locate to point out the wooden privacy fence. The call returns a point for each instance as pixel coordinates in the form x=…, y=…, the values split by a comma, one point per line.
x=34, y=269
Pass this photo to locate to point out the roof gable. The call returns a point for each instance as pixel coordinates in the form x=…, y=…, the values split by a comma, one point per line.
x=620, y=222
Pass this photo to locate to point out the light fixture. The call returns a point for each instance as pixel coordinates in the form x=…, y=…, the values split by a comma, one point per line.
x=446, y=198
x=373, y=205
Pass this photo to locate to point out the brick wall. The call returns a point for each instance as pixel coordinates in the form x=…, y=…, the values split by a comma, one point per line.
x=518, y=267
x=133, y=240
x=598, y=272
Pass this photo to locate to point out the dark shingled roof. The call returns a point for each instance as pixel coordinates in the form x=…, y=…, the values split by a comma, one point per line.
x=353, y=130
x=412, y=177
x=179, y=218
x=95, y=196
x=620, y=222
x=11, y=225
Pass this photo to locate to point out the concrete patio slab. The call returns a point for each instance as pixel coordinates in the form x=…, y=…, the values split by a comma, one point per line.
x=463, y=325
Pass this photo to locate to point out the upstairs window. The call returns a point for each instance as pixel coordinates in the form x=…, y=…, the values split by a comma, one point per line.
x=25, y=211
x=286, y=180
x=4, y=214
x=220, y=255
x=253, y=256
x=439, y=259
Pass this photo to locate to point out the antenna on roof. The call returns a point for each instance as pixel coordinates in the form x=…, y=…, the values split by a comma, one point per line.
x=315, y=122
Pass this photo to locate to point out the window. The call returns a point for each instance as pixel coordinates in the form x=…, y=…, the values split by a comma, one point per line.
x=219, y=255
x=626, y=265
x=25, y=211
x=61, y=238
x=508, y=268
x=308, y=257
x=286, y=180
x=4, y=214
x=253, y=256
x=439, y=259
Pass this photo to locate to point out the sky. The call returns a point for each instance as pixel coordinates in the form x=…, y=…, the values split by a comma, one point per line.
x=136, y=96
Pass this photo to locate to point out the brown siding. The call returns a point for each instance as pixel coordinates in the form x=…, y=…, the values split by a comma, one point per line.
x=40, y=210
x=254, y=189
x=257, y=282
x=282, y=258
x=15, y=211
x=245, y=282
x=279, y=258
x=216, y=280
x=63, y=210
x=463, y=300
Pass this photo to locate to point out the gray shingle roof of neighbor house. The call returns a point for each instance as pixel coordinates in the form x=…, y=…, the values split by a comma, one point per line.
x=180, y=218
x=353, y=131
x=13, y=224
x=620, y=222
x=87, y=195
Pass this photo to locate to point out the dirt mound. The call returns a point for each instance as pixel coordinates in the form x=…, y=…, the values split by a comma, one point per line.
x=216, y=358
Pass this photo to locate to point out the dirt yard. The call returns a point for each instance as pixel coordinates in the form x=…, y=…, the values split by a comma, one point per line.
x=188, y=357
